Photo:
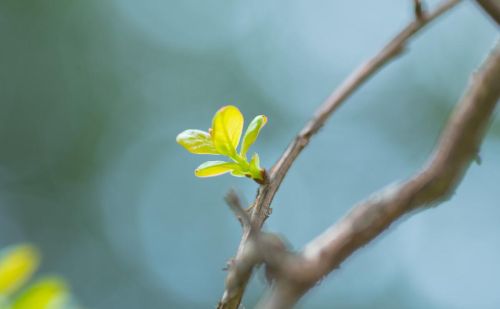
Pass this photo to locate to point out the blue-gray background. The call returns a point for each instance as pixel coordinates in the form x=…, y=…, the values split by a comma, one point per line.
x=93, y=93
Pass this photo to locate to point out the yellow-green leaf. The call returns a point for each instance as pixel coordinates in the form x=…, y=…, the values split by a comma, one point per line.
x=47, y=293
x=215, y=168
x=256, y=171
x=252, y=133
x=17, y=265
x=197, y=141
x=227, y=125
x=255, y=164
x=238, y=172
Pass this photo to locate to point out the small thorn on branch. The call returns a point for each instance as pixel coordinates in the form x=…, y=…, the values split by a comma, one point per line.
x=478, y=159
x=229, y=264
x=418, y=9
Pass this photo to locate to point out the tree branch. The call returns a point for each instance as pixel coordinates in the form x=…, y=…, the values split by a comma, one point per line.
x=458, y=146
x=492, y=8
x=236, y=284
x=234, y=203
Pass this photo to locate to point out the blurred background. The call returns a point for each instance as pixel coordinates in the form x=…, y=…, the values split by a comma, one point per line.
x=93, y=93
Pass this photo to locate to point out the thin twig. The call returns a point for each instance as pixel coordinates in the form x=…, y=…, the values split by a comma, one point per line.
x=457, y=148
x=235, y=285
x=418, y=9
x=233, y=201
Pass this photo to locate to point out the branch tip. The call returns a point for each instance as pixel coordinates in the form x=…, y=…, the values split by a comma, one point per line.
x=418, y=9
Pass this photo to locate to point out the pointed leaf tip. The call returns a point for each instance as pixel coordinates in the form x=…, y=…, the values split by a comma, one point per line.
x=215, y=168
x=252, y=133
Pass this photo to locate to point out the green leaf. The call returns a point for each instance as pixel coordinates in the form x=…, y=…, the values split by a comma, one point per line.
x=47, y=293
x=252, y=133
x=223, y=139
x=215, y=168
x=238, y=172
x=197, y=141
x=17, y=265
x=256, y=171
x=255, y=163
x=227, y=126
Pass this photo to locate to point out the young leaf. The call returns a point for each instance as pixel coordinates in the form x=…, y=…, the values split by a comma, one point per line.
x=196, y=141
x=252, y=133
x=227, y=125
x=255, y=169
x=47, y=293
x=215, y=168
x=17, y=265
x=255, y=164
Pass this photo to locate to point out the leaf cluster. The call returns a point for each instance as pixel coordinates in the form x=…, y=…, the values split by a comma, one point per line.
x=223, y=139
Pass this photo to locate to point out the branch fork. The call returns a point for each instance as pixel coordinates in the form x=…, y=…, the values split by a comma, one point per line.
x=293, y=274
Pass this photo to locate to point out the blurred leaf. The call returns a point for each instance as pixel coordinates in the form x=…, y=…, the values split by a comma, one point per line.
x=17, y=265
x=215, y=168
x=47, y=293
x=4, y=303
x=227, y=126
x=252, y=133
x=196, y=141
x=238, y=172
